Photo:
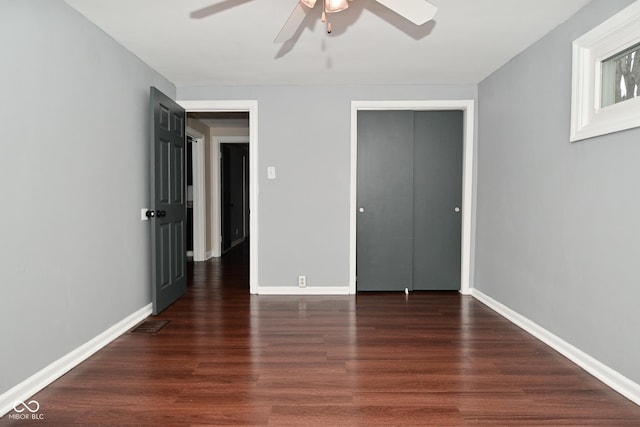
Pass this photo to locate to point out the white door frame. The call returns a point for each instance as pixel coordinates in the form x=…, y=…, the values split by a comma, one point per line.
x=199, y=198
x=250, y=106
x=468, y=155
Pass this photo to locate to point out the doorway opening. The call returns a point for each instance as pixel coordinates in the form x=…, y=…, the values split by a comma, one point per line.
x=234, y=174
x=218, y=127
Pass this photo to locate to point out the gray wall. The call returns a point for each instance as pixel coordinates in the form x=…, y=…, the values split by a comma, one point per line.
x=305, y=133
x=73, y=177
x=557, y=222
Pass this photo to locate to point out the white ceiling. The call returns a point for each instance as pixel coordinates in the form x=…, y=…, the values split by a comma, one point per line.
x=230, y=42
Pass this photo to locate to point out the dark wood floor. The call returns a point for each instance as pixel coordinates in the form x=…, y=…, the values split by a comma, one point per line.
x=380, y=359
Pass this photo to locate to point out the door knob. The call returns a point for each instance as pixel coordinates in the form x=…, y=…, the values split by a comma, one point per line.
x=150, y=214
x=361, y=209
x=160, y=214
x=457, y=209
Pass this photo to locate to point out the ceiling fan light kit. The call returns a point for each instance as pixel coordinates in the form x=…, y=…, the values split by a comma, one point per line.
x=331, y=6
x=328, y=6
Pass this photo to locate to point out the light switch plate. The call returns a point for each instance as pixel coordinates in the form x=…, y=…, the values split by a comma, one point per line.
x=271, y=172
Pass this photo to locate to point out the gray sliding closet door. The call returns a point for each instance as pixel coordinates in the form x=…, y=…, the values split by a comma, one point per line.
x=437, y=201
x=385, y=201
x=409, y=200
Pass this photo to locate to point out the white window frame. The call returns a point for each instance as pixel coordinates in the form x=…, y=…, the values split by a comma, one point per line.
x=588, y=118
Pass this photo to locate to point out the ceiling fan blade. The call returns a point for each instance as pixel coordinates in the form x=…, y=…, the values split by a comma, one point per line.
x=416, y=11
x=292, y=24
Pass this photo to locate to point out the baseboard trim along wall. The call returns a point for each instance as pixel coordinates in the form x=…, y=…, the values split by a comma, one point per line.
x=46, y=376
x=610, y=377
x=309, y=290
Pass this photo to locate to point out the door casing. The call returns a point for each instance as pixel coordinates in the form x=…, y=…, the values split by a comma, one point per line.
x=250, y=106
x=199, y=198
x=468, y=160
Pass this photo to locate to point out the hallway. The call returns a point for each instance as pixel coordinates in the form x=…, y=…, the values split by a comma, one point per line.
x=387, y=359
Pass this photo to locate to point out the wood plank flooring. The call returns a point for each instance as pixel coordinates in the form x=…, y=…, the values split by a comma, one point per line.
x=379, y=359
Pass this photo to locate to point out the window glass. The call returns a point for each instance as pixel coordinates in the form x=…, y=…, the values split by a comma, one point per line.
x=621, y=76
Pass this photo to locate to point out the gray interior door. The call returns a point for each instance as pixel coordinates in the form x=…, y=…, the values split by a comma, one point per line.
x=167, y=201
x=384, y=244
x=409, y=199
x=437, y=190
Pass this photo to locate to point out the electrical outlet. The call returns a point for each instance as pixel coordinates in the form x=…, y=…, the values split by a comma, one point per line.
x=302, y=281
x=143, y=214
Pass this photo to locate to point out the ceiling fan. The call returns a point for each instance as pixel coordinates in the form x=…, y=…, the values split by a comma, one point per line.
x=416, y=11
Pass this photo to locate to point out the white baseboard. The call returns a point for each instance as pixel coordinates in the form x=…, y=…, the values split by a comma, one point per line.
x=610, y=377
x=208, y=255
x=46, y=376
x=309, y=290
